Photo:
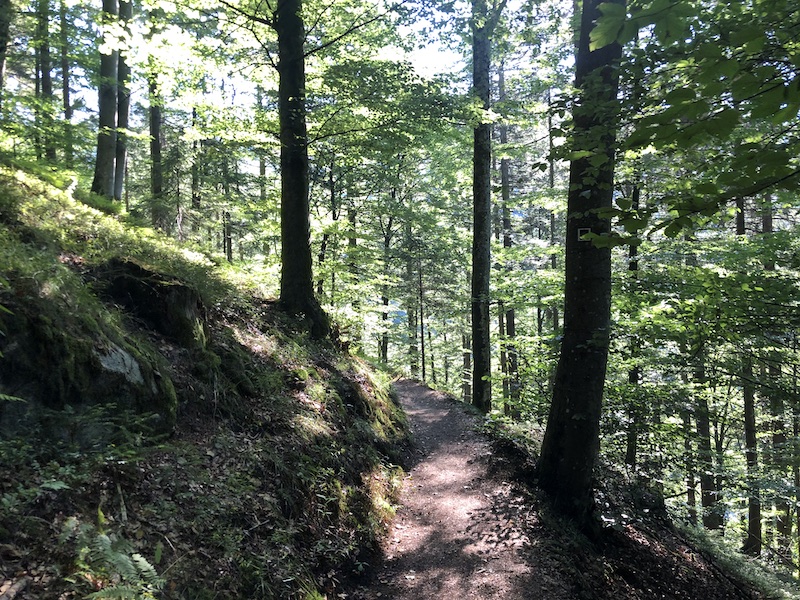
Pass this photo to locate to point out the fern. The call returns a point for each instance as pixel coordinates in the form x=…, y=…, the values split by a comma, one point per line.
x=111, y=560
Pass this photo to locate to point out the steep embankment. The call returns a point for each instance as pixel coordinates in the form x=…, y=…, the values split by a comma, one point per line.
x=163, y=427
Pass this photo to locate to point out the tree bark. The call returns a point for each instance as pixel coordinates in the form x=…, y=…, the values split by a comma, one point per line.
x=709, y=494
x=123, y=106
x=511, y=381
x=691, y=481
x=5, y=37
x=103, y=182
x=297, y=290
x=46, y=103
x=634, y=374
x=482, y=212
x=752, y=542
x=66, y=92
x=466, y=372
x=156, y=164
x=572, y=437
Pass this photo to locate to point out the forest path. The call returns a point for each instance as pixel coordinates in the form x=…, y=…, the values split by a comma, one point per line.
x=462, y=531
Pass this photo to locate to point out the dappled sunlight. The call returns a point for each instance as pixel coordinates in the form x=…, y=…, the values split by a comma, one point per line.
x=459, y=531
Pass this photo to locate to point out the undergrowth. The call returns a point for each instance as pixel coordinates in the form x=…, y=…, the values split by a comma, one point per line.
x=278, y=476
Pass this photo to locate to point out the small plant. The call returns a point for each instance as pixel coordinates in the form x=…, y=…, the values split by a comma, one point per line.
x=108, y=563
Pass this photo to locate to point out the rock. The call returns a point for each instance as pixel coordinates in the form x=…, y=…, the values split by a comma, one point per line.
x=163, y=303
x=55, y=357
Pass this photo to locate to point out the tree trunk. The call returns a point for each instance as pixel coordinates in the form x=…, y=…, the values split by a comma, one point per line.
x=572, y=437
x=66, y=92
x=466, y=373
x=196, y=160
x=634, y=374
x=46, y=103
x=227, y=234
x=413, y=347
x=709, y=496
x=511, y=381
x=5, y=39
x=123, y=105
x=388, y=234
x=482, y=212
x=158, y=213
x=297, y=290
x=421, y=320
x=103, y=182
x=691, y=482
x=752, y=543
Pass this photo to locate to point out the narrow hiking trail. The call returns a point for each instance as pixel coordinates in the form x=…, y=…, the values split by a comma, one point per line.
x=462, y=531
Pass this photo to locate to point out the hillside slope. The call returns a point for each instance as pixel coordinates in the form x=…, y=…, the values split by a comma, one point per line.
x=162, y=427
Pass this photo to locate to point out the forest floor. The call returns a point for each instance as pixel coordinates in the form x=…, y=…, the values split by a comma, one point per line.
x=468, y=528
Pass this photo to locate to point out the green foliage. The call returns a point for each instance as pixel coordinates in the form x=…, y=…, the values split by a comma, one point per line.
x=108, y=563
x=725, y=554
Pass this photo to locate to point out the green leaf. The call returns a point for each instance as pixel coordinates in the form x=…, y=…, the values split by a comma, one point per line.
x=54, y=485
x=609, y=26
x=680, y=96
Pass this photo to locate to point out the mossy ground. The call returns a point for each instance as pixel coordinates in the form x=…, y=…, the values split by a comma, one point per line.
x=276, y=473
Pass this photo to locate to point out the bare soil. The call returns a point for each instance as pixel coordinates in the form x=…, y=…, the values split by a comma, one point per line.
x=467, y=530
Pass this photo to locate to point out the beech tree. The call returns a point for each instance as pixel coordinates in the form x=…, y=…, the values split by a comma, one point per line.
x=571, y=442
x=103, y=182
x=483, y=22
x=5, y=38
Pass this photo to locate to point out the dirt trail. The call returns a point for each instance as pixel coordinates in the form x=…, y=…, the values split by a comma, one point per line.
x=461, y=529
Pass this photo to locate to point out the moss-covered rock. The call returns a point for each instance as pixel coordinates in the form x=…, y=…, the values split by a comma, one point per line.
x=55, y=357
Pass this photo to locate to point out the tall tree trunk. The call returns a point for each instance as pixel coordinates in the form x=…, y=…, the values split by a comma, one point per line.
x=352, y=268
x=634, y=374
x=323, y=248
x=783, y=524
x=196, y=161
x=123, y=105
x=466, y=372
x=551, y=180
x=388, y=234
x=227, y=233
x=421, y=320
x=66, y=92
x=158, y=212
x=297, y=289
x=46, y=99
x=5, y=39
x=572, y=437
x=691, y=481
x=752, y=542
x=103, y=182
x=262, y=156
x=413, y=346
x=482, y=212
x=511, y=380
x=709, y=495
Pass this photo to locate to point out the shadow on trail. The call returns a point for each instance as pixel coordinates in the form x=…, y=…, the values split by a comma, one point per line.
x=457, y=534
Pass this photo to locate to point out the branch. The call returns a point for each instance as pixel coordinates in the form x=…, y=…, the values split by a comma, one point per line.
x=253, y=17
x=354, y=26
